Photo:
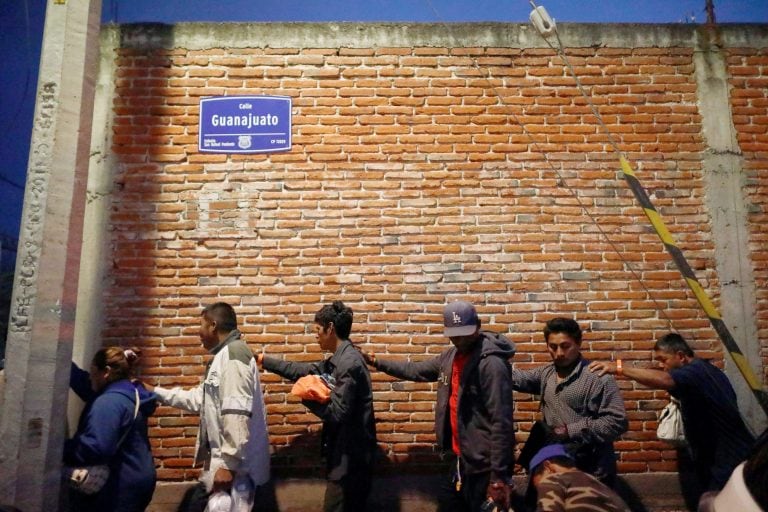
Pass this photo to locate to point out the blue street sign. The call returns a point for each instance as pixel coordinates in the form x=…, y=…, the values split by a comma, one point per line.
x=245, y=124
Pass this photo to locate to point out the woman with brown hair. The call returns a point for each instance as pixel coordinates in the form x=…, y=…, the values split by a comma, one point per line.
x=113, y=430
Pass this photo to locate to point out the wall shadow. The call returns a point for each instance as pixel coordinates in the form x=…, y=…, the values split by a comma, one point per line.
x=415, y=479
x=630, y=497
x=409, y=481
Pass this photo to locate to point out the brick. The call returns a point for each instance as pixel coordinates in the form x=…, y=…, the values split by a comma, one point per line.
x=411, y=183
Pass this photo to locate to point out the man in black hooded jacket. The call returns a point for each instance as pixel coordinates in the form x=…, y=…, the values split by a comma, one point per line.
x=473, y=417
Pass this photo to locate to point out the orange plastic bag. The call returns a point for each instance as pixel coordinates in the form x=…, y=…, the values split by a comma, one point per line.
x=312, y=387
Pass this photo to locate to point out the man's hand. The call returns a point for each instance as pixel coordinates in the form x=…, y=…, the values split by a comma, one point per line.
x=368, y=357
x=558, y=434
x=222, y=480
x=259, y=359
x=499, y=492
x=601, y=368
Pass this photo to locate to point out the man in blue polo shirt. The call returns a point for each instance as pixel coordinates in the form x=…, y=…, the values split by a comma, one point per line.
x=717, y=436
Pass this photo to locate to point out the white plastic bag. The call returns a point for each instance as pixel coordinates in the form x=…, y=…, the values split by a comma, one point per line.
x=670, y=427
x=239, y=499
x=219, y=502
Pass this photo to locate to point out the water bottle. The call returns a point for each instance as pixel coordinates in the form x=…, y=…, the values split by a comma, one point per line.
x=219, y=502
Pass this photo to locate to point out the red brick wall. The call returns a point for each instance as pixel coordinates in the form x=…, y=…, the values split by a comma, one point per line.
x=411, y=183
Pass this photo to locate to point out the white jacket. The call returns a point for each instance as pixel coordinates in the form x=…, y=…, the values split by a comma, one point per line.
x=233, y=426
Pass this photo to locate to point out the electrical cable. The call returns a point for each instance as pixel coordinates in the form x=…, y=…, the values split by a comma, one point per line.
x=760, y=394
x=564, y=181
x=11, y=183
x=656, y=221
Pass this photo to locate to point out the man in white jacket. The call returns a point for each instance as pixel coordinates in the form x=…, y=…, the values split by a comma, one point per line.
x=232, y=443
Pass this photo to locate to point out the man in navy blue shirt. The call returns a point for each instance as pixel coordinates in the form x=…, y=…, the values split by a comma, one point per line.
x=717, y=437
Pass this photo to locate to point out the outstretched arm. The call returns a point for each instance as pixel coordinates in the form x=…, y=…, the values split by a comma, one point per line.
x=188, y=399
x=528, y=381
x=420, y=371
x=656, y=379
x=80, y=382
x=290, y=370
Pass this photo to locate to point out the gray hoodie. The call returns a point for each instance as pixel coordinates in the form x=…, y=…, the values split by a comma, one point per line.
x=486, y=432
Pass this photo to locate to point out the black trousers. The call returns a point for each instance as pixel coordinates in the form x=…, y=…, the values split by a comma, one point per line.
x=350, y=494
x=195, y=499
x=470, y=495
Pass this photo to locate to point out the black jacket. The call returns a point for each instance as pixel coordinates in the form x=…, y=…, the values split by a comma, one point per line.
x=349, y=428
x=486, y=435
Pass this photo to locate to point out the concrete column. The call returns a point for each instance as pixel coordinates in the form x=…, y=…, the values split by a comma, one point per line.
x=90, y=303
x=41, y=326
x=724, y=180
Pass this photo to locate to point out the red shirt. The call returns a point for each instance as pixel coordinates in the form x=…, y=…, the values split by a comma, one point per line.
x=459, y=361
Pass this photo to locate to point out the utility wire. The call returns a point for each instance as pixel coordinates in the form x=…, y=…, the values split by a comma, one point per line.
x=11, y=183
x=559, y=174
x=661, y=230
x=674, y=251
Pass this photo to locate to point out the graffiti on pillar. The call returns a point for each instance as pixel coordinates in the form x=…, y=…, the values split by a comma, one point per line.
x=34, y=436
x=31, y=237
